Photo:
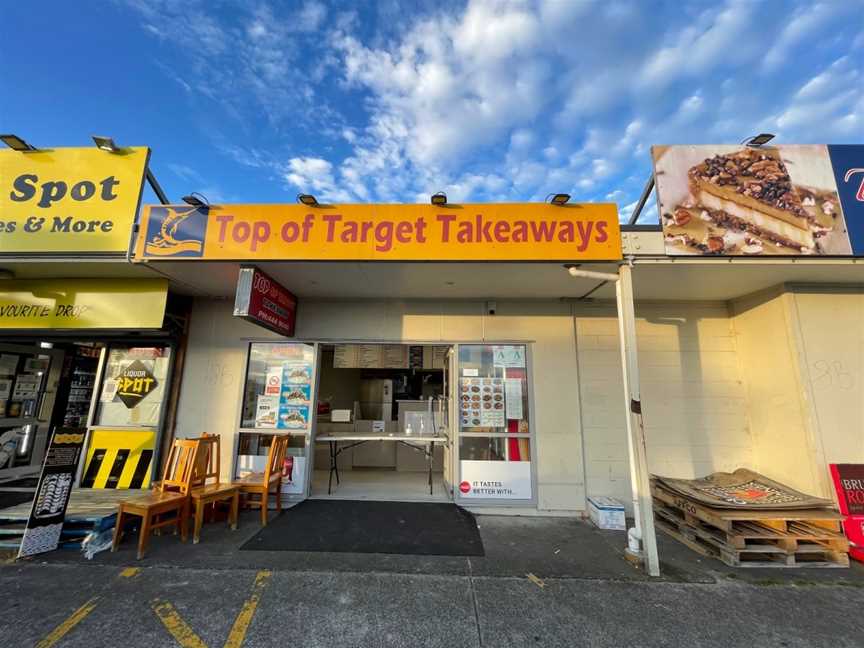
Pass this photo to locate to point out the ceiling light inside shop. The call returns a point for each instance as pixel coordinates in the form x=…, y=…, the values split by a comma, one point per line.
x=16, y=143
x=560, y=199
x=439, y=198
x=307, y=199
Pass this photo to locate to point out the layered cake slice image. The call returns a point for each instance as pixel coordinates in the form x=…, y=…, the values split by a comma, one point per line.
x=750, y=190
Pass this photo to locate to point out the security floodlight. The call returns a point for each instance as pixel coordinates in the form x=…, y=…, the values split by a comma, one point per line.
x=307, y=199
x=759, y=140
x=16, y=143
x=560, y=199
x=105, y=144
x=439, y=198
x=196, y=200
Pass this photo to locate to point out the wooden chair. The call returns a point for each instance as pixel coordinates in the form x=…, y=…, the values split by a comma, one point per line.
x=262, y=484
x=206, y=487
x=172, y=495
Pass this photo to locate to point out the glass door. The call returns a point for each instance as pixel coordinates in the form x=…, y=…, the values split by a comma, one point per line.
x=279, y=398
x=495, y=441
x=124, y=433
x=29, y=376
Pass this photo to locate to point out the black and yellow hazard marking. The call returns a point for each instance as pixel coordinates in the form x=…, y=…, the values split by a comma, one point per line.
x=119, y=459
x=71, y=621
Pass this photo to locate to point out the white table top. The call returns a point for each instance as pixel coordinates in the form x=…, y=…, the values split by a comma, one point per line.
x=350, y=436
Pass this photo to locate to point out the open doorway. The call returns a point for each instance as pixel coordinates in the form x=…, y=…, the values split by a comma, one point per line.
x=382, y=423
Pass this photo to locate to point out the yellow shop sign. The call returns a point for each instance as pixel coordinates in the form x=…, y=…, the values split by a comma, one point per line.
x=63, y=200
x=466, y=232
x=83, y=303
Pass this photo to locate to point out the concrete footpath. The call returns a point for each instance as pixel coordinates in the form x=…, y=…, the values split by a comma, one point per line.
x=543, y=582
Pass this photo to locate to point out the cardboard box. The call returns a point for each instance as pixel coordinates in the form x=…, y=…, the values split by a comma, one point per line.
x=607, y=513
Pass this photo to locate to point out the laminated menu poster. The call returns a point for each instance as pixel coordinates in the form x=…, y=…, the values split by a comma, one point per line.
x=266, y=411
x=45, y=523
x=293, y=418
x=482, y=402
x=513, y=393
x=295, y=398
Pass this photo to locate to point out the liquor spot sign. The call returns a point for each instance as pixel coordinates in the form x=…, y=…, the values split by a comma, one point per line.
x=262, y=300
x=134, y=383
x=465, y=232
x=66, y=200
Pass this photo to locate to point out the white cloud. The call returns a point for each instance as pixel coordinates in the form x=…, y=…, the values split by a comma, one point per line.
x=507, y=99
x=314, y=175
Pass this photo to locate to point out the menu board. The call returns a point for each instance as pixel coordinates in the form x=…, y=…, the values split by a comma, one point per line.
x=344, y=356
x=368, y=356
x=482, y=402
x=394, y=356
x=513, y=398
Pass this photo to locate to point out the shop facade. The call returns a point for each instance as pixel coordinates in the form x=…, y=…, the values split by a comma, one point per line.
x=88, y=343
x=746, y=358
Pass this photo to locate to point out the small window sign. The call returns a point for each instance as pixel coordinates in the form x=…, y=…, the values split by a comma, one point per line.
x=470, y=372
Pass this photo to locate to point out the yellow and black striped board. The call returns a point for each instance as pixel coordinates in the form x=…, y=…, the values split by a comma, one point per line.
x=119, y=459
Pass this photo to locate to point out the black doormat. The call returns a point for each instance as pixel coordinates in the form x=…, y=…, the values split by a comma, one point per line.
x=344, y=526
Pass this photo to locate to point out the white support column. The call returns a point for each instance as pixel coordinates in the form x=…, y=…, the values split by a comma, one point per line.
x=642, y=508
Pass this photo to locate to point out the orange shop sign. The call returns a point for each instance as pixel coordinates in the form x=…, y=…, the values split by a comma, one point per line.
x=468, y=232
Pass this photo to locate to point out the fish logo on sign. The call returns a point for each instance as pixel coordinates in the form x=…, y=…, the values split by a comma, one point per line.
x=176, y=230
x=134, y=383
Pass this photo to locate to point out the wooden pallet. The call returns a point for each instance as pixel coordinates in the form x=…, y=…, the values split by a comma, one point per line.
x=809, y=538
x=89, y=510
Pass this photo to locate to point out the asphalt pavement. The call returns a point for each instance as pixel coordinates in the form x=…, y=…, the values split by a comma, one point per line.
x=543, y=582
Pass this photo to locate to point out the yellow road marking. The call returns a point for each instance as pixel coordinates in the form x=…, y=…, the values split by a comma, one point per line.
x=241, y=624
x=129, y=572
x=63, y=629
x=182, y=633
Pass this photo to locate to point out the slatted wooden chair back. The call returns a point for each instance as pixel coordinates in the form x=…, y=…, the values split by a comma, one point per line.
x=275, y=458
x=181, y=466
x=209, y=454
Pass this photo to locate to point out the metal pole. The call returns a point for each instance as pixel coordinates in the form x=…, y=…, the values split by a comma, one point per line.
x=642, y=508
x=649, y=186
x=154, y=184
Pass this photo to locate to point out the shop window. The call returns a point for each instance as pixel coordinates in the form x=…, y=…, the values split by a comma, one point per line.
x=134, y=387
x=495, y=433
x=278, y=388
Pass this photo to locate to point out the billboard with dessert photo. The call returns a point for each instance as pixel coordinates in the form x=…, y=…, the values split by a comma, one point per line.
x=739, y=200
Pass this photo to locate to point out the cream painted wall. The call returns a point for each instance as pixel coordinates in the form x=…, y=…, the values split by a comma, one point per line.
x=210, y=394
x=831, y=326
x=693, y=398
x=777, y=408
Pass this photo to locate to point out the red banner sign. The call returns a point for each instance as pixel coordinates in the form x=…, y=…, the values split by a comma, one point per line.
x=264, y=301
x=849, y=484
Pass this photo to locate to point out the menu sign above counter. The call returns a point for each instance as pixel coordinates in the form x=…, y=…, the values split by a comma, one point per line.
x=262, y=300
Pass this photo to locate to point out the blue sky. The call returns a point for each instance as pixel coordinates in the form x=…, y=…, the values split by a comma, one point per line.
x=390, y=102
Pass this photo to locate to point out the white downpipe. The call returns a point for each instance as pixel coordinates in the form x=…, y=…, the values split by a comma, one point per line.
x=642, y=508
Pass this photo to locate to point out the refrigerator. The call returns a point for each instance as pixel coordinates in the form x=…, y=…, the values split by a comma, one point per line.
x=376, y=399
